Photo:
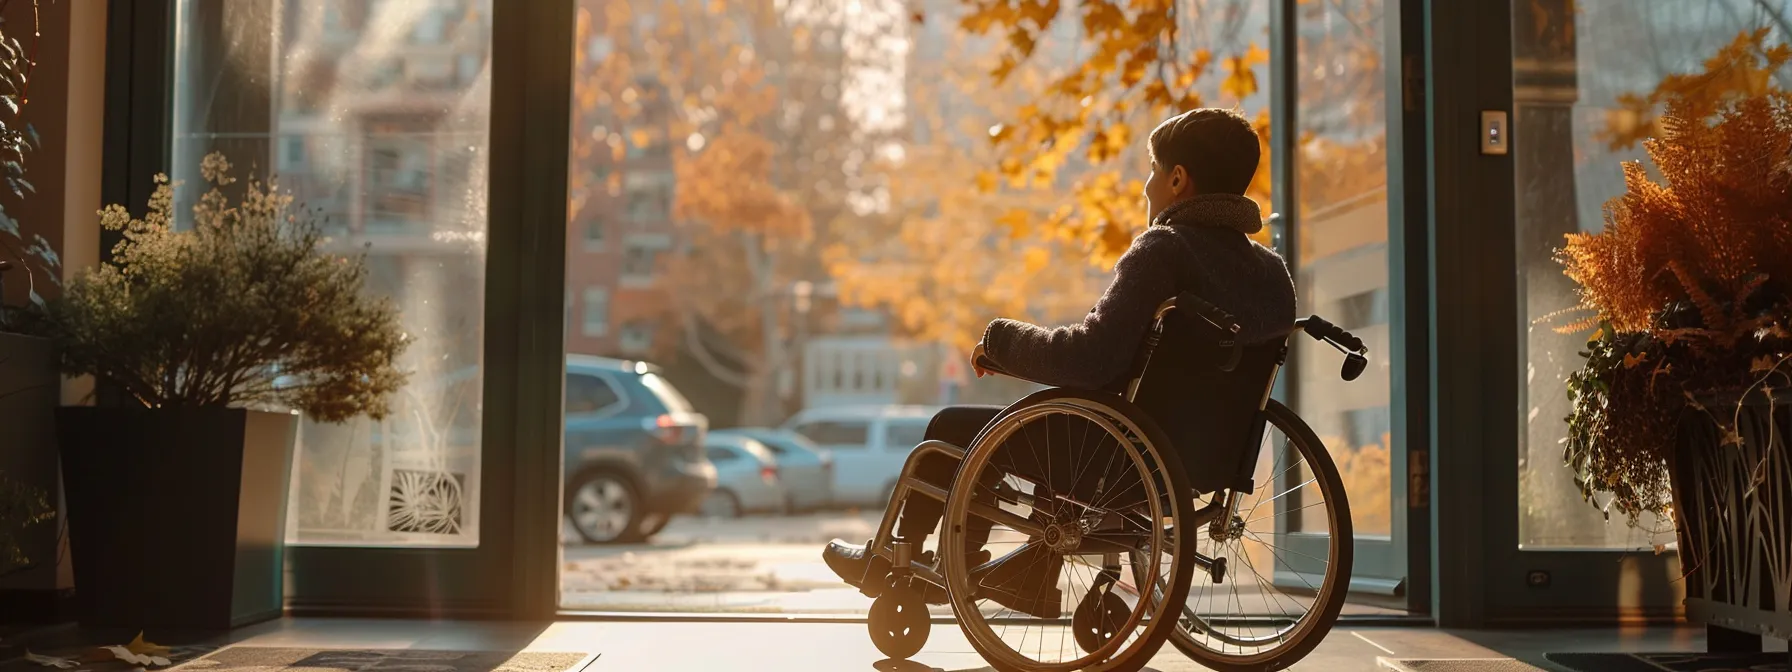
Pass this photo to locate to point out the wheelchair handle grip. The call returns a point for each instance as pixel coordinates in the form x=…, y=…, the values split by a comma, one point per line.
x=1356, y=355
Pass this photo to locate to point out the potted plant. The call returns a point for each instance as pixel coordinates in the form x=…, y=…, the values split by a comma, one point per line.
x=219, y=331
x=29, y=386
x=1682, y=406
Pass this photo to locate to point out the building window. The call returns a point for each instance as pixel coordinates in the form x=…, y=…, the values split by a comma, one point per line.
x=648, y=205
x=597, y=311
x=596, y=232
x=640, y=258
x=399, y=180
x=293, y=153
x=649, y=196
x=637, y=338
x=637, y=263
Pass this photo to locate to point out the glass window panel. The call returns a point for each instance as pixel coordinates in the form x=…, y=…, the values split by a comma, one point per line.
x=904, y=435
x=1576, y=64
x=349, y=100
x=1340, y=244
x=588, y=394
x=836, y=434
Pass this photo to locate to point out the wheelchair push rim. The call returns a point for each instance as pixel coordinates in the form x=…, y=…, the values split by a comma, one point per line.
x=1075, y=624
x=1269, y=609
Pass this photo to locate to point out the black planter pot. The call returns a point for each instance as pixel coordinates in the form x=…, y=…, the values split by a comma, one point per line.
x=1731, y=505
x=177, y=517
x=30, y=390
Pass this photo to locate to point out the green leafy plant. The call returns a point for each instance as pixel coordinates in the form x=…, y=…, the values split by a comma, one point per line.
x=33, y=257
x=241, y=307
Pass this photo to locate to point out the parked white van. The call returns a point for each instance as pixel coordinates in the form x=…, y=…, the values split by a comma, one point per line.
x=869, y=444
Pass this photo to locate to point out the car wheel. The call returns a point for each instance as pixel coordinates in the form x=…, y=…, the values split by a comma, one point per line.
x=653, y=523
x=605, y=508
x=721, y=504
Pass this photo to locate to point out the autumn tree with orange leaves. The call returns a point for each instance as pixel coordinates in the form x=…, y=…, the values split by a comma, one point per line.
x=748, y=98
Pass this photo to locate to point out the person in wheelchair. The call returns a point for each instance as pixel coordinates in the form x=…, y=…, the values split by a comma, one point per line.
x=1202, y=161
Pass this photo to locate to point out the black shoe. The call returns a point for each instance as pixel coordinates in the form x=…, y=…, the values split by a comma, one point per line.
x=852, y=562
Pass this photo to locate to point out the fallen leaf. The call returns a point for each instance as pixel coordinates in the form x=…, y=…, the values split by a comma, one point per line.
x=49, y=661
x=128, y=656
x=1632, y=360
x=1661, y=548
x=147, y=648
x=1762, y=363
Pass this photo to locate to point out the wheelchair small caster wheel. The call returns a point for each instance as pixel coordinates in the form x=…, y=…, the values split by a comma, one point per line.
x=1098, y=619
x=899, y=623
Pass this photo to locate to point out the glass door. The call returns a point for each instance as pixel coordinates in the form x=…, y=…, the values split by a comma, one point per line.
x=1337, y=228
x=377, y=117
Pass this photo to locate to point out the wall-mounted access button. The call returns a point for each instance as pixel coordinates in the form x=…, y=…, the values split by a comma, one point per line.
x=1496, y=136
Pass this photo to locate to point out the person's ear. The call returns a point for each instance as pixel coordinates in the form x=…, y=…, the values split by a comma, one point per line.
x=1179, y=181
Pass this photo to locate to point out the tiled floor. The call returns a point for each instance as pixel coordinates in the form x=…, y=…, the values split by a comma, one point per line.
x=799, y=647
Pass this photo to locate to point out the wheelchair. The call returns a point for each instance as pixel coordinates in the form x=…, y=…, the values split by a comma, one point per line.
x=1111, y=504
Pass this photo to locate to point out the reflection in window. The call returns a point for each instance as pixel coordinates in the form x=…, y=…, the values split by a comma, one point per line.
x=387, y=158
x=1576, y=65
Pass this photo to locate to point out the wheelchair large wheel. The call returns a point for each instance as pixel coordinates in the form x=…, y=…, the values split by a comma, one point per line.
x=1083, y=495
x=1287, y=557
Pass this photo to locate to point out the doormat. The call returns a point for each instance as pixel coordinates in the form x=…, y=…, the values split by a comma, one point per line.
x=1673, y=662
x=243, y=658
x=1455, y=665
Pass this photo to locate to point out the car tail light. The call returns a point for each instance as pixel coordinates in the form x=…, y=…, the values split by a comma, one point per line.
x=769, y=474
x=669, y=431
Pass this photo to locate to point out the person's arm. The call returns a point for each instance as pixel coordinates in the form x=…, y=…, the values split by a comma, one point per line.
x=1101, y=348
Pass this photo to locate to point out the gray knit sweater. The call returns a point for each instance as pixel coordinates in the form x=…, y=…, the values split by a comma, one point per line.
x=1199, y=244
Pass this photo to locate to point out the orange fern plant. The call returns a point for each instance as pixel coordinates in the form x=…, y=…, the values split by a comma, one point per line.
x=1691, y=281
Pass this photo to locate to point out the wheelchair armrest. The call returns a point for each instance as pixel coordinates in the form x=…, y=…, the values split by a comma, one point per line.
x=984, y=362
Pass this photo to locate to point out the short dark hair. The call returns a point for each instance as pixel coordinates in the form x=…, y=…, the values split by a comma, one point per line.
x=1216, y=146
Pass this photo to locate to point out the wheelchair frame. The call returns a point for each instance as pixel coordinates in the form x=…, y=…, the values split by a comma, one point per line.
x=903, y=558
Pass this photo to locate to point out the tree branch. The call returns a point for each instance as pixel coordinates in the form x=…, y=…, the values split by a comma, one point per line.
x=694, y=343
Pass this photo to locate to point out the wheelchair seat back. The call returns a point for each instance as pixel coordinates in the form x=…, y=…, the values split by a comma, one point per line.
x=1212, y=416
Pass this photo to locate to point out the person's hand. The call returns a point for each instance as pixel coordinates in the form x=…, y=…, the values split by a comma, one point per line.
x=976, y=361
